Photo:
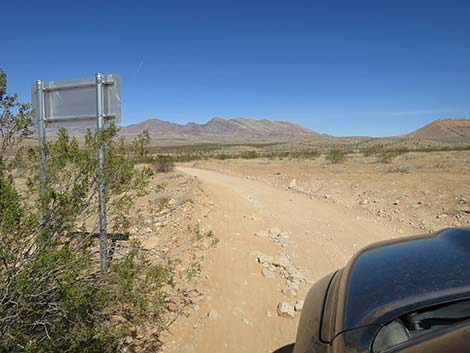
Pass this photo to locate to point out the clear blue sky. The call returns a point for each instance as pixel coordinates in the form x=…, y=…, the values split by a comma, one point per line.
x=377, y=68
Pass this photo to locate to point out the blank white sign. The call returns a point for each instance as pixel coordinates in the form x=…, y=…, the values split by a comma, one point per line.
x=72, y=103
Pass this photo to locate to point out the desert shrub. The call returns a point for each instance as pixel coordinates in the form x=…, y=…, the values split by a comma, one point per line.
x=163, y=163
x=387, y=157
x=188, y=157
x=399, y=170
x=336, y=156
x=372, y=151
x=222, y=156
x=249, y=155
x=139, y=146
x=307, y=154
x=53, y=298
x=381, y=150
x=15, y=118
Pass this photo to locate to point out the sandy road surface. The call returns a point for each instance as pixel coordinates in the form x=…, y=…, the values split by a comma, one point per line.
x=322, y=237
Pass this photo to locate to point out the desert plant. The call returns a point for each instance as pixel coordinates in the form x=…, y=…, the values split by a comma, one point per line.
x=336, y=156
x=387, y=157
x=249, y=155
x=139, y=145
x=222, y=156
x=373, y=150
x=163, y=163
x=15, y=120
x=398, y=170
x=52, y=296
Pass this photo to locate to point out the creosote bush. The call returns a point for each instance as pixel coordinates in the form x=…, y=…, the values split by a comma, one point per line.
x=386, y=157
x=163, y=164
x=52, y=296
x=336, y=156
x=249, y=155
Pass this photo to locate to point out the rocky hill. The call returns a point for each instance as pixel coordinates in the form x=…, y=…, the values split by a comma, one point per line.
x=443, y=129
x=222, y=130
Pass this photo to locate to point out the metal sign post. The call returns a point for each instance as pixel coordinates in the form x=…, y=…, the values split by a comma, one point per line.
x=101, y=190
x=40, y=123
x=82, y=102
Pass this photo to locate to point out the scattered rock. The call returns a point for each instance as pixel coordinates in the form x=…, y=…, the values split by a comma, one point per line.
x=299, y=305
x=295, y=276
x=289, y=292
x=292, y=184
x=264, y=259
x=213, y=315
x=267, y=273
x=207, y=243
x=286, y=310
x=262, y=234
x=281, y=261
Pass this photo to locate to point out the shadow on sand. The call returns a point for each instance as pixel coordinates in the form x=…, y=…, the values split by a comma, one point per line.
x=286, y=349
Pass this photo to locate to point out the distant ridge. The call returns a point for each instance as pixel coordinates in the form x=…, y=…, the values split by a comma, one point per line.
x=222, y=130
x=245, y=130
x=443, y=129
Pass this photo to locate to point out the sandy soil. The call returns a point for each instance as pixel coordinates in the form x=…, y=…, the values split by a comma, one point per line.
x=239, y=314
x=426, y=191
x=323, y=218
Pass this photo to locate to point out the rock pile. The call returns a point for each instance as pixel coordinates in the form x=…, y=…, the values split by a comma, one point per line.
x=282, y=265
x=286, y=310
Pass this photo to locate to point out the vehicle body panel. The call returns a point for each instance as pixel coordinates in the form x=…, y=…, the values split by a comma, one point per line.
x=383, y=282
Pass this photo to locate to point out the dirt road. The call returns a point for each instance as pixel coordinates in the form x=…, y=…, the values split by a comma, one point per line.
x=239, y=311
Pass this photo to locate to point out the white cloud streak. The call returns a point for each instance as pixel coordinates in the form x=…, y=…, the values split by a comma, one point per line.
x=139, y=66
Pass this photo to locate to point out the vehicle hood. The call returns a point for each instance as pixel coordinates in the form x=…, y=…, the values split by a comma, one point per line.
x=402, y=275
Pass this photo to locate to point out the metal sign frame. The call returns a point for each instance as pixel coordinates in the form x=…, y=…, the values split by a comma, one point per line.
x=108, y=107
x=69, y=103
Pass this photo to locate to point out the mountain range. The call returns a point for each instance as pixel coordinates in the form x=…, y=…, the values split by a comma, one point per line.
x=221, y=130
x=245, y=130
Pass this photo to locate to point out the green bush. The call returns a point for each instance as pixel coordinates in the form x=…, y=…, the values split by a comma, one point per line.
x=387, y=157
x=372, y=151
x=307, y=154
x=163, y=164
x=53, y=298
x=139, y=146
x=222, y=156
x=249, y=155
x=336, y=156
